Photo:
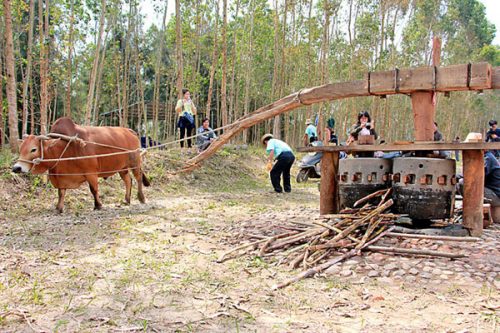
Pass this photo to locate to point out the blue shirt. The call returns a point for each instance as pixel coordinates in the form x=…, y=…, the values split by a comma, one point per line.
x=311, y=131
x=277, y=146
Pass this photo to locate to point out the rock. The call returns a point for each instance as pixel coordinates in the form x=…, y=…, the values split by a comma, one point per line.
x=448, y=272
x=399, y=272
x=333, y=270
x=390, y=267
x=425, y=275
x=444, y=248
x=410, y=278
x=377, y=257
x=352, y=262
x=436, y=271
x=346, y=272
x=373, y=274
x=385, y=280
x=405, y=266
x=496, y=283
x=413, y=271
x=444, y=277
x=427, y=269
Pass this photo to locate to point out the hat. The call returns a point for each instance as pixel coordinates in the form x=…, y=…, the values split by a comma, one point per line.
x=265, y=137
x=492, y=122
x=308, y=122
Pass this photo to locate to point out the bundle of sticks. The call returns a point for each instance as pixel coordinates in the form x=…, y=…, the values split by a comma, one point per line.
x=316, y=241
x=315, y=246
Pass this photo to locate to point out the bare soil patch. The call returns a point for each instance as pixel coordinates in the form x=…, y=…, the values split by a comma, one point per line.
x=153, y=267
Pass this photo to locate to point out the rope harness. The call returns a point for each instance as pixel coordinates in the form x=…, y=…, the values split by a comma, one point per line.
x=122, y=151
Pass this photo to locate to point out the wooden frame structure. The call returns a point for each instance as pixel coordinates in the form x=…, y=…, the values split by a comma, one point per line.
x=473, y=163
x=422, y=84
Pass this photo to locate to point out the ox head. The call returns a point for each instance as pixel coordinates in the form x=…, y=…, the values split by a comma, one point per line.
x=29, y=151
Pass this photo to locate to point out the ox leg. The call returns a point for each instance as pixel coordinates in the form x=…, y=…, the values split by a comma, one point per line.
x=128, y=185
x=138, y=177
x=60, y=202
x=93, y=184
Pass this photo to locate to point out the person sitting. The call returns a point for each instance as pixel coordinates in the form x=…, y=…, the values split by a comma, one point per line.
x=493, y=135
x=204, y=135
x=311, y=133
x=364, y=126
x=492, y=184
x=330, y=132
x=438, y=137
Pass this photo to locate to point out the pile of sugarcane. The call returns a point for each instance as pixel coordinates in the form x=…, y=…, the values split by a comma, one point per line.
x=346, y=234
x=315, y=246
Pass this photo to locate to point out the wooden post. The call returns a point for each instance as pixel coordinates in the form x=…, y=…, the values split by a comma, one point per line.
x=423, y=115
x=424, y=102
x=473, y=191
x=329, y=189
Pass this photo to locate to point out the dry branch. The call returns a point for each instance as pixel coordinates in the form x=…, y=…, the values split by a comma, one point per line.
x=416, y=252
x=370, y=196
x=443, y=238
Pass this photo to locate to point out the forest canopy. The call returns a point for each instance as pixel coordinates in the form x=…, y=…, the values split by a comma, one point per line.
x=105, y=63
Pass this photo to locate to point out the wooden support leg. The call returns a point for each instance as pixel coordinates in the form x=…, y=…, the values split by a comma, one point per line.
x=473, y=191
x=329, y=190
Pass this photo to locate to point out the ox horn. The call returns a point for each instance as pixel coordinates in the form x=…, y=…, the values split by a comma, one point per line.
x=43, y=137
x=25, y=136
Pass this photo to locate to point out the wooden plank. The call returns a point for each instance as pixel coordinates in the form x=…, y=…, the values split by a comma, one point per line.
x=452, y=78
x=480, y=76
x=383, y=83
x=423, y=115
x=405, y=147
x=416, y=79
x=473, y=191
x=495, y=78
x=329, y=197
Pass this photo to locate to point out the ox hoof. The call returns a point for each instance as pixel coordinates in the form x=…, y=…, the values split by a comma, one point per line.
x=98, y=207
x=59, y=210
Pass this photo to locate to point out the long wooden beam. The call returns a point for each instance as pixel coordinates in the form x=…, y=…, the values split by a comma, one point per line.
x=405, y=147
x=478, y=76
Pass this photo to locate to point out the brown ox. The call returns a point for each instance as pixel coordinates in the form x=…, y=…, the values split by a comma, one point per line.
x=70, y=174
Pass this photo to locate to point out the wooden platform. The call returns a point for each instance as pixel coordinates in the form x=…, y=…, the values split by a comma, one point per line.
x=473, y=167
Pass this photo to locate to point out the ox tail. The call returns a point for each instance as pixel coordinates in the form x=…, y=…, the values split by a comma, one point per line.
x=145, y=179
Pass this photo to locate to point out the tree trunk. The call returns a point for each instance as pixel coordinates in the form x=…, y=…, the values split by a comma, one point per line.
x=44, y=94
x=274, y=92
x=2, y=128
x=69, y=73
x=126, y=67
x=232, y=95
x=100, y=70
x=248, y=71
x=214, y=62
x=27, y=77
x=95, y=66
x=282, y=67
x=11, y=77
x=156, y=93
x=178, y=44
x=223, y=102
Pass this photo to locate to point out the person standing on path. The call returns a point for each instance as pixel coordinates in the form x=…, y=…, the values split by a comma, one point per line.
x=186, y=110
x=281, y=152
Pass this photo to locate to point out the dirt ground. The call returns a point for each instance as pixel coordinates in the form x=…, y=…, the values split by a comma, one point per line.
x=153, y=267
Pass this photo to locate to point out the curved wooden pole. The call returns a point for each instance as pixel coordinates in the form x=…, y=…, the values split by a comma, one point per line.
x=307, y=96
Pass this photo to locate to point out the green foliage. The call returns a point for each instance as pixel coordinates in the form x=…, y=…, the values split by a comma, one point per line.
x=364, y=35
